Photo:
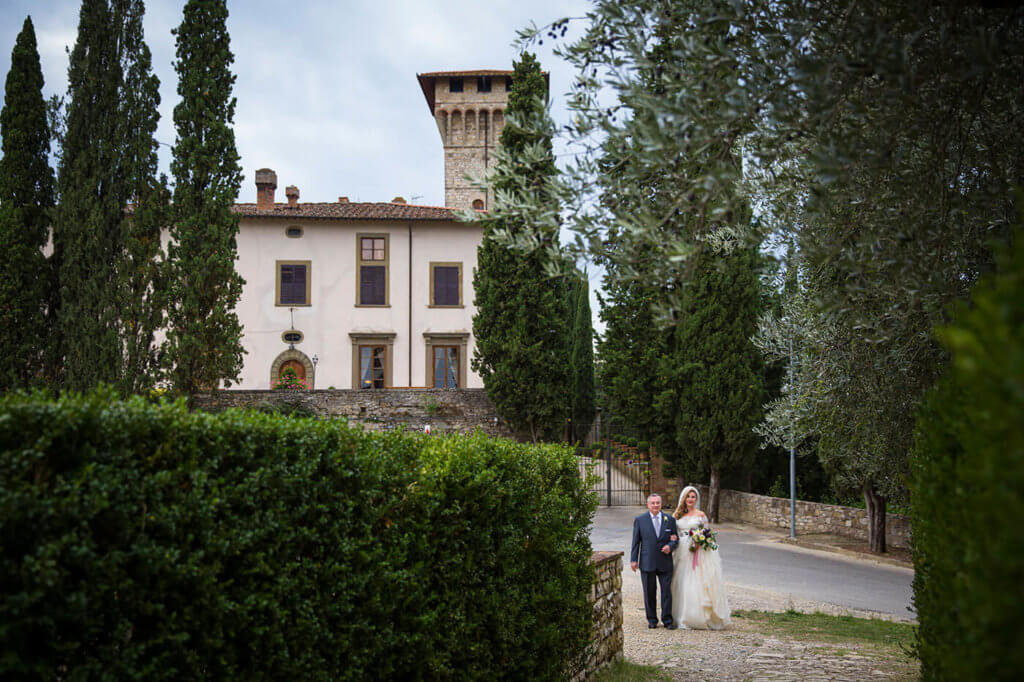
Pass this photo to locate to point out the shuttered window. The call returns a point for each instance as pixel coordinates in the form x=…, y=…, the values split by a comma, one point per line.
x=446, y=284
x=372, y=285
x=372, y=266
x=293, y=283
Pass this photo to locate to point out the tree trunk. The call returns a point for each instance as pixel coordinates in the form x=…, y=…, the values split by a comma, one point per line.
x=713, y=494
x=876, y=520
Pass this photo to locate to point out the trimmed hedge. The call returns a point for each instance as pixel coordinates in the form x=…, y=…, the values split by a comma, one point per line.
x=141, y=541
x=968, y=491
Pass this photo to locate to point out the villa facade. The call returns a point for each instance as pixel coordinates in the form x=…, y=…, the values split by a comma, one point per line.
x=372, y=295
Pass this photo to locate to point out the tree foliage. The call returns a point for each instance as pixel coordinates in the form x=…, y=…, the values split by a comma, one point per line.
x=713, y=377
x=108, y=258
x=581, y=357
x=203, y=347
x=522, y=315
x=881, y=138
x=26, y=197
x=629, y=353
x=968, y=465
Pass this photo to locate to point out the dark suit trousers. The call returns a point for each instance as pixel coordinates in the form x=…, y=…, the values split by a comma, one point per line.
x=651, y=581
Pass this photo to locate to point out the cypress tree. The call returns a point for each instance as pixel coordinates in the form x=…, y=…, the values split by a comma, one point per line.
x=142, y=277
x=26, y=196
x=88, y=216
x=522, y=314
x=106, y=259
x=582, y=359
x=204, y=335
x=629, y=352
x=714, y=375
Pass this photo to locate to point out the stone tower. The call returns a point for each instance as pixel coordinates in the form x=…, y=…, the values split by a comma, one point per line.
x=469, y=109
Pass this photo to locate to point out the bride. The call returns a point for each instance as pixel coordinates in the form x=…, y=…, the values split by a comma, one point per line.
x=698, y=592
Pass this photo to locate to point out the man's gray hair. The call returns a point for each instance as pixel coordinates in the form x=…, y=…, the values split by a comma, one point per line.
x=652, y=496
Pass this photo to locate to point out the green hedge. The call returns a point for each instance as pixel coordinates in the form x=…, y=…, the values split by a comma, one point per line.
x=141, y=541
x=968, y=491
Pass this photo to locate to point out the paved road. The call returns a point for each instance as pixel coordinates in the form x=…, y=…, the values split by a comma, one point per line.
x=754, y=558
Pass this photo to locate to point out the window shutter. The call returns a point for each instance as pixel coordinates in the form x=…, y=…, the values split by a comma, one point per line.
x=372, y=285
x=293, y=284
x=446, y=285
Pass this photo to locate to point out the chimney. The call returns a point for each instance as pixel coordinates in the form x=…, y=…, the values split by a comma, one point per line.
x=398, y=200
x=266, y=183
x=292, y=192
x=342, y=200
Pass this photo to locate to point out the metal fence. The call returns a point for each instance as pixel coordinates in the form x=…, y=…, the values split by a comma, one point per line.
x=618, y=464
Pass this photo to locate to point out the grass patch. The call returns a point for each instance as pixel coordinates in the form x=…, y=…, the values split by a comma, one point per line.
x=823, y=627
x=624, y=671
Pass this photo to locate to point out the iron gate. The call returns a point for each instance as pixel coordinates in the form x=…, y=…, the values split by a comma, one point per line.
x=619, y=463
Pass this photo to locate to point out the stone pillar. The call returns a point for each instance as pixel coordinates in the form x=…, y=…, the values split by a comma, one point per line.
x=606, y=598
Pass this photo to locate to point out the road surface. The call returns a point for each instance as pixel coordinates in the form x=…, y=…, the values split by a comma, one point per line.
x=755, y=558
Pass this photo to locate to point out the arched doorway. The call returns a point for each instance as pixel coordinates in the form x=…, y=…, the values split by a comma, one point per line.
x=296, y=366
x=295, y=360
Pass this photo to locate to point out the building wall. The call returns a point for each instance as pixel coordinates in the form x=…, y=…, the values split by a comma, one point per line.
x=330, y=246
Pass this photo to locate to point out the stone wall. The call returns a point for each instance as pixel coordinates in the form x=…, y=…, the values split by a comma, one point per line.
x=606, y=597
x=445, y=410
x=811, y=517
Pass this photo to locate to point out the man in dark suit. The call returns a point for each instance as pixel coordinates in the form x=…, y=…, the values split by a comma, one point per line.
x=652, y=553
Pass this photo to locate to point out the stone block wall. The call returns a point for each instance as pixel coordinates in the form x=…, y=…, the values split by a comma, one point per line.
x=606, y=598
x=811, y=517
x=445, y=410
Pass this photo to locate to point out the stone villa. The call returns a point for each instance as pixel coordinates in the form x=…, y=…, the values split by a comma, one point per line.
x=373, y=295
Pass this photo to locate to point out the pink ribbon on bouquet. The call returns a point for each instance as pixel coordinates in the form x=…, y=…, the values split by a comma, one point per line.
x=695, y=558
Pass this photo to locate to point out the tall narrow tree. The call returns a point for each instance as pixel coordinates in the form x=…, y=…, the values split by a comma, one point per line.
x=107, y=257
x=204, y=336
x=87, y=222
x=26, y=196
x=521, y=318
x=715, y=375
x=629, y=354
x=142, y=276
x=582, y=359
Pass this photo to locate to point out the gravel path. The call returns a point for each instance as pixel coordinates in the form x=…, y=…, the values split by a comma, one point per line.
x=744, y=652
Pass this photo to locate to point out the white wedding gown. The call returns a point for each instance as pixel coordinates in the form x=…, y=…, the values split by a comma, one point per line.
x=698, y=594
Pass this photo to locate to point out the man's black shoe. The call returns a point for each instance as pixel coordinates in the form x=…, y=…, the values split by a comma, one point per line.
x=652, y=625
x=670, y=626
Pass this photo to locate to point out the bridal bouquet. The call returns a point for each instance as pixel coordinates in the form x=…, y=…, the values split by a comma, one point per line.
x=702, y=538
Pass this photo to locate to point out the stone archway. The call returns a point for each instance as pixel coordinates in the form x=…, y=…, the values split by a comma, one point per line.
x=289, y=357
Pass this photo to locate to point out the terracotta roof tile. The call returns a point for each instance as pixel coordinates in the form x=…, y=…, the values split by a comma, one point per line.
x=348, y=211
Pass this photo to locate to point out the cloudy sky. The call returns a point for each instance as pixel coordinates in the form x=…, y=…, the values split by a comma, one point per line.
x=327, y=91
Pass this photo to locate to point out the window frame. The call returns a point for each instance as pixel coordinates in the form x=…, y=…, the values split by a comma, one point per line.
x=385, y=339
x=444, y=264
x=456, y=79
x=483, y=84
x=456, y=338
x=373, y=347
x=458, y=364
x=386, y=264
x=277, y=283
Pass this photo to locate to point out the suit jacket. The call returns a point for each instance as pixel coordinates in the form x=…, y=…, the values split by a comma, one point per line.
x=647, y=546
